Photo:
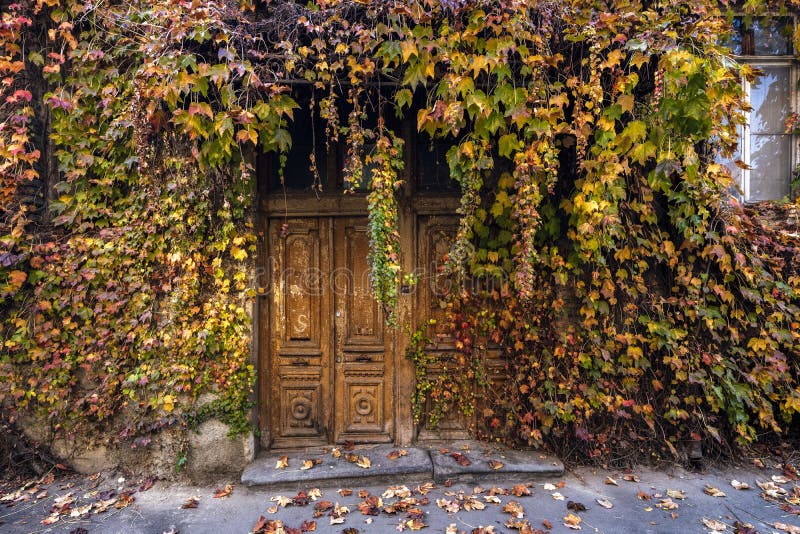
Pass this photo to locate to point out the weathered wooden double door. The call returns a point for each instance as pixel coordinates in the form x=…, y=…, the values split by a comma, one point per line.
x=331, y=359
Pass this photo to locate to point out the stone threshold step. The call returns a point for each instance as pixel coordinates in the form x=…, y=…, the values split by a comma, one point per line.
x=487, y=464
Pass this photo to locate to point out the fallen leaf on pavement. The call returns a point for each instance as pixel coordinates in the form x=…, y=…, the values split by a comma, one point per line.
x=224, y=492
x=549, y=487
x=676, y=494
x=779, y=479
x=461, y=460
x=49, y=520
x=125, y=500
x=452, y=528
x=712, y=491
x=643, y=496
x=791, y=529
x=307, y=464
x=667, y=504
x=520, y=490
x=308, y=526
x=282, y=501
x=426, y=487
x=740, y=485
x=630, y=478
x=572, y=521
x=364, y=462
x=338, y=514
x=611, y=482
x=104, y=504
x=394, y=455
x=147, y=484
x=191, y=502
x=401, y=492
x=715, y=525
x=272, y=509
x=282, y=463
x=496, y=464
x=314, y=494
x=515, y=509
x=345, y=492
x=557, y=496
x=743, y=528
x=492, y=499
x=576, y=506
x=415, y=524
x=605, y=503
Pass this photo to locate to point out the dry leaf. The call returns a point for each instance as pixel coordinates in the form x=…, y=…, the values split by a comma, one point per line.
x=515, y=509
x=282, y=463
x=49, y=520
x=492, y=499
x=282, y=501
x=394, y=455
x=740, y=485
x=364, y=462
x=791, y=529
x=80, y=511
x=712, y=491
x=224, y=492
x=605, y=503
x=667, y=504
x=273, y=509
x=336, y=452
x=461, y=460
x=576, y=506
x=426, y=487
x=611, y=482
x=557, y=496
x=549, y=487
x=307, y=464
x=415, y=524
x=676, y=494
x=630, y=478
x=104, y=504
x=715, y=525
x=452, y=528
x=496, y=464
x=125, y=500
x=314, y=494
x=780, y=479
x=345, y=492
x=520, y=490
x=572, y=521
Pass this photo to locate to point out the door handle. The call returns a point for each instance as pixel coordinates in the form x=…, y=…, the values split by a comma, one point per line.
x=363, y=359
x=299, y=362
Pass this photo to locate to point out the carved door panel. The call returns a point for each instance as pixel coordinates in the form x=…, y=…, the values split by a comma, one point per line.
x=363, y=371
x=331, y=374
x=300, y=331
x=434, y=239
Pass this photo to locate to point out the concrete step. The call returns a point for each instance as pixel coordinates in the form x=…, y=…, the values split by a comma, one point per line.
x=424, y=462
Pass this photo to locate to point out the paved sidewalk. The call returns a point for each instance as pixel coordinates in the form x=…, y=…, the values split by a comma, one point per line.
x=641, y=501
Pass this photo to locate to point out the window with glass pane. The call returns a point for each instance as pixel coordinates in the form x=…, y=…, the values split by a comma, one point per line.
x=770, y=145
x=765, y=146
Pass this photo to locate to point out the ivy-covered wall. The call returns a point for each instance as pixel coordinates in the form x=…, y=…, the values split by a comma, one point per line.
x=586, y=138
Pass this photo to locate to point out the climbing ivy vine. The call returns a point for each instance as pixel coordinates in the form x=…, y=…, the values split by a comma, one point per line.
x=635, y=301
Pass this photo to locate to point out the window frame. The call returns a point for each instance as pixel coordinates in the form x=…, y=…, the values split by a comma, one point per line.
x=745, y=140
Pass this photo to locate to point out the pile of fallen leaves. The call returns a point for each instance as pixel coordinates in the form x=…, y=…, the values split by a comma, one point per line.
x=72, y=502
x=20, y=457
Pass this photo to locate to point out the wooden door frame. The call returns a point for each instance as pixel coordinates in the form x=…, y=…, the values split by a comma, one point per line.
x=412, y=206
